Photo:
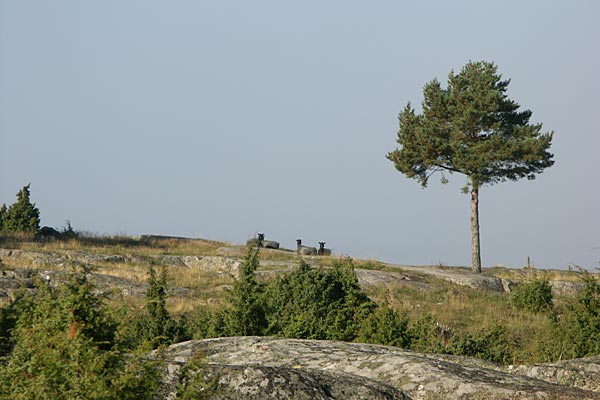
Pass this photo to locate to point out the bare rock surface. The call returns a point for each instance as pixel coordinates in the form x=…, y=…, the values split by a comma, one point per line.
x=228, y=262
x=272, y=368
x=583, y=373
x=563, y=288
x=462, y=277
x=13, y=280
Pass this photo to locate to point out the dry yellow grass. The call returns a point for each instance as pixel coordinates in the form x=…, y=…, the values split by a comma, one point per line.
x=463, y=309
x=524, y=274
x=122, y=245
x=467, y=311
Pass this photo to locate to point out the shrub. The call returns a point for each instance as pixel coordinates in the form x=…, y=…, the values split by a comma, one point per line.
x=64, y=348
x=196, y=381
x=203, y=323
x=384, y=326
x=153, y=327
x=311, y=303
x=3, y=211
x=316, y=303
x=578, y=329
x=247, y=314
x=425, y=336
x=534, y=296
x=490, y=344
x=22, y=216
x=68, y=233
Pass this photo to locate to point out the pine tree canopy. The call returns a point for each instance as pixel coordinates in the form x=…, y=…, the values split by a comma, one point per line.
x=22, y=216
x=473, y=128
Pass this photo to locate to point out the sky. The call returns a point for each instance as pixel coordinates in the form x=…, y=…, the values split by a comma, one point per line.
x=222, y=119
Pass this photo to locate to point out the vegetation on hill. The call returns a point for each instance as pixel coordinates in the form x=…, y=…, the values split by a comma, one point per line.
x=67, y=339
x=62, y=344
x=22, y=216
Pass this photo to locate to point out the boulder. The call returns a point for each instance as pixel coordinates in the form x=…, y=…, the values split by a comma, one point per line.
x=275, y=368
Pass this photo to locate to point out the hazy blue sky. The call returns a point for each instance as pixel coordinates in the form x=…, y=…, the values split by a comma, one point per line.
x=220, y=119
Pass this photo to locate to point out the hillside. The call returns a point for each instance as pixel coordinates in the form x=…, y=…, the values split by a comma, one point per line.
x=200, y=273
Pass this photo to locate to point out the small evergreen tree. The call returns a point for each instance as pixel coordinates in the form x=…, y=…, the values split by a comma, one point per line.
x=22, y=216
x=154, y=326
x=3, y=211
x=64, y=348
x=247, y=315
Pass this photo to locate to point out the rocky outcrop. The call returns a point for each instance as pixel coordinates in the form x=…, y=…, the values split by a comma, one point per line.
x=212, y=264
x=228, y=262
x=271, y=368
x=563, y=288
x=14, y=280
x=583, y=373
x=35, y=259
x=463, y=278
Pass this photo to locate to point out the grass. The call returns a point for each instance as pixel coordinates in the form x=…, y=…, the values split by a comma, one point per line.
x=120, y=245
x=468, y=311
x=527, y=274
x=464, y=310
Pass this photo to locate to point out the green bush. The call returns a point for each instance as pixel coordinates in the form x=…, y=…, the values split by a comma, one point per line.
x=203, y=323
x=490, y=344
x=384, y=326
x=311, y=303
x=3, y=211
x=533, y=296
x=68, y=233
x=65, y=348
x=153, y=326
x=317, y=303
x=196, y=381
x=247, y=314
x=424, y=335
x=577, y=330
x=22, y=216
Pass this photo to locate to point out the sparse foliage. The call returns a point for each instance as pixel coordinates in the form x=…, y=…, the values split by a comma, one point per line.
x=196, y=381
x=68, y=232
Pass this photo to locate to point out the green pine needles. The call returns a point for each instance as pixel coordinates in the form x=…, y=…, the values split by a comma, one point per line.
x=22, y=216
x=152, y=326
x=471, y=127
x=64, y=347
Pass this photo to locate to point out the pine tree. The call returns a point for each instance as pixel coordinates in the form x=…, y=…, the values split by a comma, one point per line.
x=163, y=328
x=22, y=216
x=247, y=315
x=153, y=326
x=2, y=216
x=471, y=128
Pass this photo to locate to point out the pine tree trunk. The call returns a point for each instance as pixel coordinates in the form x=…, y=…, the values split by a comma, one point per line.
x=475, y=246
